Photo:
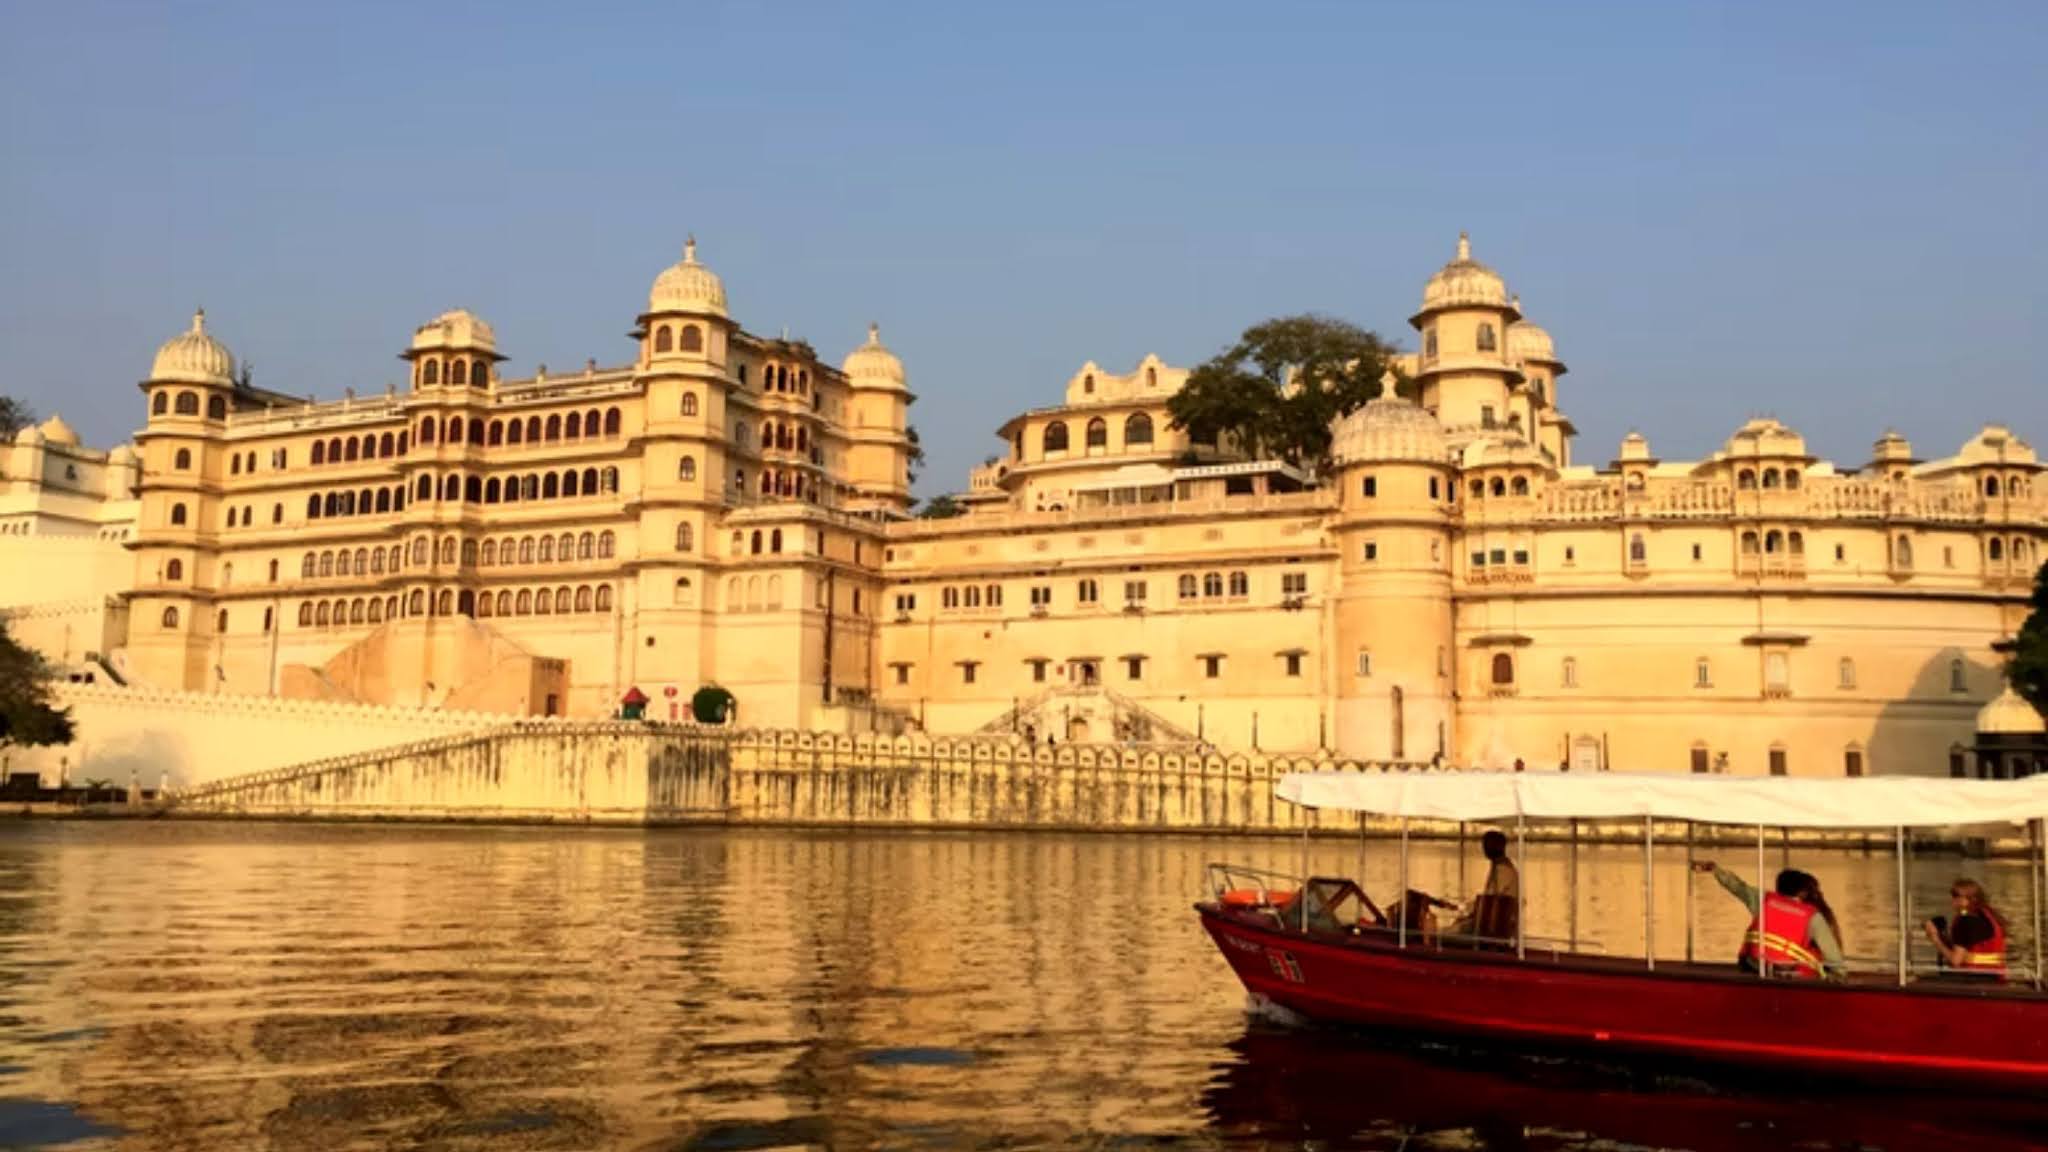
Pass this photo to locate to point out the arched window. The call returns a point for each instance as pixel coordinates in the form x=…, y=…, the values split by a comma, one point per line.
x=554, y=428
x=1137, y=429
x=775, y=541
x=604, y=598
x=426, y=433
x=504, y=604
x=480, y=376
x=612, y=420
x=1997, y=548
x=458, y=372
x=689, y=403
x=547, y=549
x=1212, y=583
x=1902, y=553
x=686, y=538
x=526, y=550
x=1055, y=437
x=543, y=602
x=355, y=611
x=1098, y=433
x=583, y=598
x=183, y=460
x=756, y=543
x=606, y=545
x=1774, y=542
x=608, y=480
x=1487, y=341
x=664, y=339
x=306, y=615
x=319, y=452
x=1498, y=487
x=533, y=429
x=1638, y=552
x=1521, y=486
x=1791, y=478
x=419, y=552
x=1088, y=384
x=1797, y=541
x=515, y=432
x=431, y=374
x=586, y=546
x=170, y=618
x=1749, y=543
x=1187, y=587
x=1745, y=480
x=687, y=470
x=161, y=404
x=1503, y=670
x=1958, y=679
x=572, y=428
x=589, y=485
x=174, y=570
x=1991, y=485
x=524, y=605
x=692, y=338
x=444, y=604
x=1770, y=478
x=177, y=514
x=188, y=403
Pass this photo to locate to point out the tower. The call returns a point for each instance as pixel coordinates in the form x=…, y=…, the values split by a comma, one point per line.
x=190, y=392
x=1393, y=469
x=878, y=427
x=1535, y=397
x=1464, y=369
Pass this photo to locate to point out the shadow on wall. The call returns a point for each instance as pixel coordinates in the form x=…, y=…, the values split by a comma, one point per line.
x=1919, y=735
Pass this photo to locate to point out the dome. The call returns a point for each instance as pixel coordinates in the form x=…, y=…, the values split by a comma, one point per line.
x=459, y=328
x=2010, y=715
x=29, y=436
x=1464, y=283
x=56, y=431
x=194, y=357
x=873, y=360
x=121, y=456
x=687, y=287
x=1388, y=428
x=1529, y=344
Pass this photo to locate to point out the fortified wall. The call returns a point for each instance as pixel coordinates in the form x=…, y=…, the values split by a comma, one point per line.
x=630, y=773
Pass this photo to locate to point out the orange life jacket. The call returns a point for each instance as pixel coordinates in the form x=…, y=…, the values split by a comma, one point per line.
x=1986, y=957
x=1783, y=932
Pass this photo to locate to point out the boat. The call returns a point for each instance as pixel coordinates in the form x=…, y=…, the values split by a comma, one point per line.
x=1318, y=946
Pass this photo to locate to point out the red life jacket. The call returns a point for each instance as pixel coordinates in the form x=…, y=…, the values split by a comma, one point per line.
x=1987, y=957
x=1785, y=937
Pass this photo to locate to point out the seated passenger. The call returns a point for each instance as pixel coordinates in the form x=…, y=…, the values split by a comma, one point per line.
x=1973, y=944
x=1495, y=913
x=1792, y=929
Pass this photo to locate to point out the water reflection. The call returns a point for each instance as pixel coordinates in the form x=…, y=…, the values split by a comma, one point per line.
x=172, y=986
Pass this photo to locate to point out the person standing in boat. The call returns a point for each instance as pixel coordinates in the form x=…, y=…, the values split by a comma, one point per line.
x=1973, y=943
x=1496, y=911
x=1792, y=929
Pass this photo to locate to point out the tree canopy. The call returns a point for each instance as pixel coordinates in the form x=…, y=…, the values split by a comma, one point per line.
x=940, y=507
x=27, y=716
x=1243, y=394
x=915, y=455
x=14, y=416
x=2029, y=671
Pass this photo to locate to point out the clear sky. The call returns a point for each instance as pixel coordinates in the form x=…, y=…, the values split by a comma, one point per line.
x=1832, y=213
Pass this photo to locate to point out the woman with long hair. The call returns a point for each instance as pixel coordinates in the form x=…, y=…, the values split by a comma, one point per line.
x=1973, y=942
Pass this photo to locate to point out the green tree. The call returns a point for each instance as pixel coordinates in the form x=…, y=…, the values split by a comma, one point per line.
x=712, y=704
x=14, y=416
x=915, y=456
x=27, y=716
x=941, y=507
x=1276, y=392
x=2029, y=670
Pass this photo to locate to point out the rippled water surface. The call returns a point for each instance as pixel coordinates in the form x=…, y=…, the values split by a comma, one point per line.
x=222, y=986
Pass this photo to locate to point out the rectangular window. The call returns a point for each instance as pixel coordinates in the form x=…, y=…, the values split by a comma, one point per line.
x=1486, y=419
x=1372, y=551
x=1847, y=674
x=1521, y=555
x=1852, y=762
x=1294, y=663
x=906, y=602
x=1696, y=552
x=1497, y=556
x=1087, y=593
x=950, y=598
x=1699, y=760
x=1212, y=666
x=1777, y=672
x=1372, y=486
x=1571, y=555
x=1571, y=672
x=1479, y=559
x=995, y=595
x=1702, y=674
x=967, y=672
x=1778, y=766
x=1134, y=667
x=1294, y=583
x=1038, y=671
x=902, y=673
x=1364, y=663
x=856, y=601
x=1041, y=596
x=1134, y=591
x=1443, y=661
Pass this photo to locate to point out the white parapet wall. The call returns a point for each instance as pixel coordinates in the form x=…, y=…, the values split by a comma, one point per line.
x=182, y=740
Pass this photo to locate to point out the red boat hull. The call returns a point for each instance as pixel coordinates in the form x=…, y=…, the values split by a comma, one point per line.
x=1982, y=1037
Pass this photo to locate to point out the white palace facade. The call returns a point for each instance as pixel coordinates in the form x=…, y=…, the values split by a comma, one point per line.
x=729, y=508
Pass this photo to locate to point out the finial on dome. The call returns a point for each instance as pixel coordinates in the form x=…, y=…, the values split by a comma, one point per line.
x=1464, y=246
x=199, y=320
x=874, y=334
x=690, y=249
x=1515, y=301
x=1388, y=383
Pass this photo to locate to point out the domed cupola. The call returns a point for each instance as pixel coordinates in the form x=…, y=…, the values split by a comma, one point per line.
x=688, y=287
x=1464, y=283
x=56, y=431
x=456, y=329
x=1388, y=428
x=1529, y=344
x=2009, y=714
x=194, y=357
x=873, y=363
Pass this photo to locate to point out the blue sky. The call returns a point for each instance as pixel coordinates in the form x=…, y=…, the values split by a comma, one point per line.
x=1831, y=213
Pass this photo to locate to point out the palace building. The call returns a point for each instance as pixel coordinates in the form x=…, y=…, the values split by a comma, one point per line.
x=728, y=508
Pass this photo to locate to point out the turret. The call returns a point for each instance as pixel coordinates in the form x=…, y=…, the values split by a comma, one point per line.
x=1464, y=369
x=878, y=425
x=453, y=351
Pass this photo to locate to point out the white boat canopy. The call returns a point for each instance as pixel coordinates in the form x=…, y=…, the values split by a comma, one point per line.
x=1772, y=801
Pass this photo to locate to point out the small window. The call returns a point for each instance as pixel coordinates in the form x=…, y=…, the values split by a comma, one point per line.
x=1294, y=584
x=183, y=460
x=1087, y=592
x=1778, y=764
x=1958, y=677
x=1638, y=552
x=1055, y=437
x=1487, y=339
x=1503, y=670
x=1571, y=672
x=1697, y=554
x=1702, y=673
x=1371, y=486
x=1699, y=758
x=1852, y=762
x=177, y=514
x=1098, y=433
x=967, y=672
x=1212, y=667
x=1846, y=673
x=1134, y=667
x=902, y=673
x=170, y=618
x=1188, y=587
x=1137, y=430
x=174, y=570
x=1372, y=551
x=1293, y=663
x=1364, y=664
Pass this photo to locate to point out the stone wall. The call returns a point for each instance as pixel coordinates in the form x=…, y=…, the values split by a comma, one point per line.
x=639, y=773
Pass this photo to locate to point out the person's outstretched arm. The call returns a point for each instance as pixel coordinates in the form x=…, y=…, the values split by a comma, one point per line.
x=1736, y=885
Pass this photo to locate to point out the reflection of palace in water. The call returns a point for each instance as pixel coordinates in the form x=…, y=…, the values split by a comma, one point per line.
x=727, y=506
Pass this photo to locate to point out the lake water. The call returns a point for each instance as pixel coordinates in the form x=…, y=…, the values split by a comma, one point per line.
x=304, y=987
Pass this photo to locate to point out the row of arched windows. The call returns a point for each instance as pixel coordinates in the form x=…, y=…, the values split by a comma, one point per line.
x=772, y=542
x=1746, y=480
x=567, y=484
x=348, y=450
x=245, y=516
x=545, y=602
x=781, y=438
x=746, y=593
x=361, y=562
x=532, y=430
x=363, y=502
x=1774, y=542
x=1519, y=486
x=2014, y=486
x=667, y=338
x=1212, y=585
x=792, y=485
x=1137, y=433
x=546, y=549
x=187, y=404
x=460, y=370
x=778, y=378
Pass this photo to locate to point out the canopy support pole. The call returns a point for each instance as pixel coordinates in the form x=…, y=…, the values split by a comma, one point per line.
x=1301, y=890
x=1572, y=882
x=1690, y=854
x=1903, y=900
x=1405, y=902
x=1521, y=859
x=1463, y=887
x=2037, y=870
x=1649, y=896
x=1763, y=965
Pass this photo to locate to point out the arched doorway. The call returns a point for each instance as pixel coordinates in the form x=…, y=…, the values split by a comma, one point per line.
x=1077, y=730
